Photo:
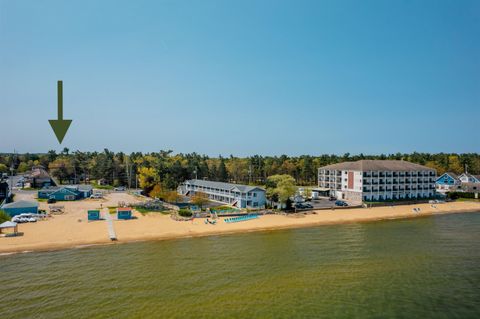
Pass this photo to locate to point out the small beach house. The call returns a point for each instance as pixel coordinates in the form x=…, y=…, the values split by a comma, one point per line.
x=62, y=193
x=93, y=215
x=20, y=207
x=124, y=213
x=448, y=182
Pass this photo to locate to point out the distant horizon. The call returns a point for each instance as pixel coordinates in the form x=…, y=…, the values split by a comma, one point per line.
x=71, y=151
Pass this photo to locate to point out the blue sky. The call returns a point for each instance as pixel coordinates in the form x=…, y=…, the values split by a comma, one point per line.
x=242, y=77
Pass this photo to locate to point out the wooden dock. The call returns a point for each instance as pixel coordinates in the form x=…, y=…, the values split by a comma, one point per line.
x=111, y=231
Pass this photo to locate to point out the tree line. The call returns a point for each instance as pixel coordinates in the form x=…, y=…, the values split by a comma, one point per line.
x=164, y=168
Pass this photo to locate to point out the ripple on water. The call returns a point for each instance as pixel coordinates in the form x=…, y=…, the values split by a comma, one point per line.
x=404, y=268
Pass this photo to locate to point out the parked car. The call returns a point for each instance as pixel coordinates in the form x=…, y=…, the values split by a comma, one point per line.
x=120, y=189
x=308, y=205
x=340, y=203
x=96, y=196
x=51, y=201
x=19, y=219
x=303, y=206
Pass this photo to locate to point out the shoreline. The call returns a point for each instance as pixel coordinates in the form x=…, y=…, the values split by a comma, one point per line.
x=152, y=227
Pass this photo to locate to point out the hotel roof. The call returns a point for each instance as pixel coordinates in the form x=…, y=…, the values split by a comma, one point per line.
x=221, y=185
x=378, y=165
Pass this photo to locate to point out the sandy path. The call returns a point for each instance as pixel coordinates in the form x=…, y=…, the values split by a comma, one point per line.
x=72, y=229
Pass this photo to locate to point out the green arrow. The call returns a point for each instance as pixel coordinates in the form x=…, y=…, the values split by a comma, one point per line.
x=60, y=126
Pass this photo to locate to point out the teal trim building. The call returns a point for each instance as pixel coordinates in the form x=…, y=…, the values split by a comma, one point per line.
x=20, y=207
x=64, y=193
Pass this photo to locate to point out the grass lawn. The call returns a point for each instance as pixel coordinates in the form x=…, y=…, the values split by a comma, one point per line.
x=467, y=200
x=144, y=211
x=107, y=187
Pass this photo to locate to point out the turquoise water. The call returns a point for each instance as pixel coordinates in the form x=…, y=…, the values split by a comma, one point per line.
x=421, y=268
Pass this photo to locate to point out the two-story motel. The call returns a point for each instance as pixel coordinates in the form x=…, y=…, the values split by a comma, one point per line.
x=241, y=196
x=377, y=180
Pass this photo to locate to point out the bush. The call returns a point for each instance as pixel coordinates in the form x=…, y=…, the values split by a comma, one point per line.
x=4, y=216
x=456, y=195
x=185, y=212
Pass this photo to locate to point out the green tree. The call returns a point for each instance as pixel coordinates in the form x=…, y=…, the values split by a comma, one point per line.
x=222, y=171
x=280, y=187
x=3, y=168
x=147, y=177
x=200, y=199
x=61, y=168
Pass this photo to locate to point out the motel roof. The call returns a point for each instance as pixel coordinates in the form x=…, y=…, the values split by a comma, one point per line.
x=378, y=165
x=222, y=185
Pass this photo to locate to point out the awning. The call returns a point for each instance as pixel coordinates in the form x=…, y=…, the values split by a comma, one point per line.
x=8, y=224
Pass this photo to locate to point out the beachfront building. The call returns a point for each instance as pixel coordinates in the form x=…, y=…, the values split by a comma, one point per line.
x=469, y=178
x=377, y=180
x=20, y=207
x=70, y=192
x=241, y=196
x=448, y=182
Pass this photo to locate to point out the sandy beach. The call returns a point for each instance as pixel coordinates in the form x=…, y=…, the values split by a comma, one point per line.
x=72, y=229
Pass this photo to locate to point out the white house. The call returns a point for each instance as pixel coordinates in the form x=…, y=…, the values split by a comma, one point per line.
x=378, y=180
x=469, y=178
x=241, y=196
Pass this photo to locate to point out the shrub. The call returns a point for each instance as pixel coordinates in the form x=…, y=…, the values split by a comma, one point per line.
x=4, y=216
x=185, y=212
x=456, y=195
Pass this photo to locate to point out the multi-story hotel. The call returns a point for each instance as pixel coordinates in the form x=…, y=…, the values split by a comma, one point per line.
x=377, y=180
x=241, y=196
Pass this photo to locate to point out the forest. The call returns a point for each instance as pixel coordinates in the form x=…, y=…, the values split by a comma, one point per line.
x=167, y=169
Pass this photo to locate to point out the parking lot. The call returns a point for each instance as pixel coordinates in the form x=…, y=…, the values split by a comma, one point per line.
x=323, y=203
